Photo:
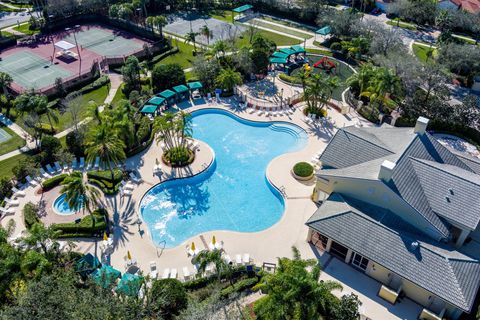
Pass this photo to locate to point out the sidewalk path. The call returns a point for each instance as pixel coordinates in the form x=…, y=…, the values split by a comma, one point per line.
x=274, y=31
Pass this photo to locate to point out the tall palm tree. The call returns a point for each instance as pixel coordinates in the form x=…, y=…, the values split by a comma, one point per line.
x=41, y=106
x=150, y=21
x=160, y=22
x=228, y=78
x=207, y=33
x=294, y=292
x=5, y=81
x=80, y=195
x=190, y=37
x=103, y=142
x=206, y=257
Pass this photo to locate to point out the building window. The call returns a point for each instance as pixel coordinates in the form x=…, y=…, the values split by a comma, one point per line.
x=359, y=261
x=319, y=241
x=338, y=250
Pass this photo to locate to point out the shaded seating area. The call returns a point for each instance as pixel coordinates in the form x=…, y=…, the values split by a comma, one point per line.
x=87, y=265
x=168, y=95
x=323, y=32
x=283, y=59
x=195, y=89
x=182, y=92
x=64, y=50
x=106, y=276
x=243, y=12
x=129, y=285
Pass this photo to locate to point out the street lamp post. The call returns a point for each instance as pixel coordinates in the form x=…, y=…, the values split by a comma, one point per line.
x=281, y=98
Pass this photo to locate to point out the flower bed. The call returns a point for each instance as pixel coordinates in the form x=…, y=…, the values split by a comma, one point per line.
x=178, y=157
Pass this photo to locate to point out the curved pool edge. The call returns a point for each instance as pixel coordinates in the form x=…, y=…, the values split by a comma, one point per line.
x=62, y=195
x=273, y=186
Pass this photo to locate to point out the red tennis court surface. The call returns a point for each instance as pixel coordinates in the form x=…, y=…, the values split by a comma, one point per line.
x=95, y=43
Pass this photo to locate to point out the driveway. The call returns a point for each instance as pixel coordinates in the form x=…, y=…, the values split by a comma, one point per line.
x=8, y=19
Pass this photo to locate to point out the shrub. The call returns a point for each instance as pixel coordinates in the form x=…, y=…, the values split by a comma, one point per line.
x=336, y=46
x=75, y=141
x=53, y=182
x=239, y=286
x=290, y=79
x=25, y=167
x=103, y=180
x=5, y=187
x=30, y=215
x=100, y=82
x=165, y=76
x=303, y=169
x=178, y=156
x=169, y=297
x=162, y=56
x=318, y=112
x=49, y=146
x=84, y=227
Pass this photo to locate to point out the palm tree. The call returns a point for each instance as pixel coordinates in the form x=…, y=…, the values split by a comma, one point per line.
x=205, y=257
x=5, y=81
x=41, y=106
x=150, y=21
x=80, y=195
x=228, y=78
x=190, y=37
x=359, y=80
x=294, y=292
x=220, y=46
x=39, y=235
x=384, y=84
x=319, y=90
x=207, y=33
x=103, y=142
x=160, y=22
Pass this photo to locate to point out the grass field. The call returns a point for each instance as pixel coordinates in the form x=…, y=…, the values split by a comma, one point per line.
x=25, y=29
x=119, y=95
x=275, y=37
x=421, y=52
x=8, y=9
x=288, y=23
x=183, y=57
x=296, y=33
x=11, y=144
x=401, y=24
x=7, y=165
x=223, y=15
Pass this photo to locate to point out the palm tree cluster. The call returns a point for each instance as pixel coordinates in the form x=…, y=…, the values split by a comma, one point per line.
x=157, y=22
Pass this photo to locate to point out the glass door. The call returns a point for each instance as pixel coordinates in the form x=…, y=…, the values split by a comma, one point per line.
x=359, y=261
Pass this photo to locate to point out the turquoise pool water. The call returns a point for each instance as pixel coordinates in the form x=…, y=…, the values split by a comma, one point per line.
x=234, y=193
x=61, y=206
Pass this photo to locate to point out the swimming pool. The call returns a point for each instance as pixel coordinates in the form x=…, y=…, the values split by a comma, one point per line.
x=233, y=193
x=61, y=206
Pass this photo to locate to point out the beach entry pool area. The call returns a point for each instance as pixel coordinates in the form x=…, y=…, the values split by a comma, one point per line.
x=61, y=207
x=233, y=193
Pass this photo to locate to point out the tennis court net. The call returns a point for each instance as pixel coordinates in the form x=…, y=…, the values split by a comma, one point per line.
x=98, y=41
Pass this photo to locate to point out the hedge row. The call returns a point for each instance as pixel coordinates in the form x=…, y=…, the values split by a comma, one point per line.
x=53, y=182
x=106, y=175
x=30, y=215
x=100, y=82
x=239, y=286
x=84, y=227
x=162, y=56
x=290, y=79
x=204, y=281
x=107, y=187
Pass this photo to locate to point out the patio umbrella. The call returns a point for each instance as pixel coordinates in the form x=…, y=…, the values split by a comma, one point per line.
x=105, y=237
x=193, y=247
x=214, y=241
x=129, y=256
x=106, y=276
x=130, y=284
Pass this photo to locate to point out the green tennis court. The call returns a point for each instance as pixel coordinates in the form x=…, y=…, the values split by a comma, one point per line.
x=4, y=136
x=104, y=43
x=31, y=71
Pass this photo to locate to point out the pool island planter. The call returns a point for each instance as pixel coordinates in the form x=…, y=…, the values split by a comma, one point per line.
x=301, y=178
x=190, y=160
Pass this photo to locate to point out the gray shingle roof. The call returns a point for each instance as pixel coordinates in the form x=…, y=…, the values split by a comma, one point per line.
x=471, y=162
x=371, y=232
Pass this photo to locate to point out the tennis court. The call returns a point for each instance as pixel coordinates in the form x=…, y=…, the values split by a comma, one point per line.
x=105, y=43
x=32, y=71
x=4, y=136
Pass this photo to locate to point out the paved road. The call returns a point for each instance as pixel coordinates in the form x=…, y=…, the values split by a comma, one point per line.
x=8, y=19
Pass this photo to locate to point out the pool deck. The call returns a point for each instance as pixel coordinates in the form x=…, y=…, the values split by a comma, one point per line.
x=263, y=246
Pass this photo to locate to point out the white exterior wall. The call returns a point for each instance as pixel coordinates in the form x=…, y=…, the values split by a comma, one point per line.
x=377, y=193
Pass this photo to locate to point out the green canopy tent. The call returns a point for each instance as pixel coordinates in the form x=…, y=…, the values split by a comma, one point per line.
x=298, y=49
x=241, y=11
x=325, y=31
x=287, y=51
x=278, y=54
x=129, y=285
x=149, y=109
x=181, y=91
x=156, y=101
x=106, y=276
x=195, y=85
x=169, y=95
x=87, y=264
x=278, y=60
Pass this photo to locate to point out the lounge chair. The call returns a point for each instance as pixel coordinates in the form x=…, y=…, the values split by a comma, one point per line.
x=166, y=273
x=238, y=259
x=186, y=273
x=44, y=174
x=227, y=259
x=11, y=202
x=157, y=169
x=18, y=193
x=82, y=163
x=246, y=258
x=65, y=166
x=124, y=192
x=153, y=270
x=134, y=178
x=58, y=167
x=173, y=274
x=7, y=210
x=195, y=145
x=74, y=164
x=260, y=112
x=50, y=169
x=97, y=163
x=250, y=110
x=31, y=181
x=127, y=185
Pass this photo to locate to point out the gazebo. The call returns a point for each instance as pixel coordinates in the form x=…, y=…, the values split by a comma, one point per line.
x=325, y=31
x=149, y=109
x=64, y=47
x=284, y=57
x=106, y=276
x=130, y=284
x=168, y=95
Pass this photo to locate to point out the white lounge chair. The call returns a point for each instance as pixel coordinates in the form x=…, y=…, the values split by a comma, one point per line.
x=227, y=259
x=45, y=174
x=58, y=167
x=186, y=273
x=260, y=112
x=173, y=274
x=246, y=258
x=134, y=178
x=238, y=259
x=31, y=181
x=153, y=270
x=7, y=210
x=50, y=170
x=157, y=169
x=11, y=202
x=74, y=164
x=195, y=145
x=82, y=162
x=127, y=185
x=250, y=110
x=166, y=273
x=97, y=163
x=18, y=193
x=65, y=166
x=124, y=192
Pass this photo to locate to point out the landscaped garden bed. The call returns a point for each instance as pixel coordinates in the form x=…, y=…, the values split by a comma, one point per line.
x=302, y=171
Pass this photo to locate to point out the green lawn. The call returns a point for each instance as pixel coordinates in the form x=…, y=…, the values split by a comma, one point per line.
x=297, y=33
x=25, y=29
x=401, y=24
x=319, y=51
x=421, y=52
x=7, y=165
x=11, y=144
x=288, y=23
x=183, y=57
x=8, y=9
x=275, y=37
x=6, y=34
x=223, y=15
x=119, y=95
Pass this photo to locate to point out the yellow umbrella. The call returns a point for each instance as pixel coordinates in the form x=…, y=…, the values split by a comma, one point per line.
x=214, y=240
x=129, y=256
x=193, y=246
x=105, y=237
